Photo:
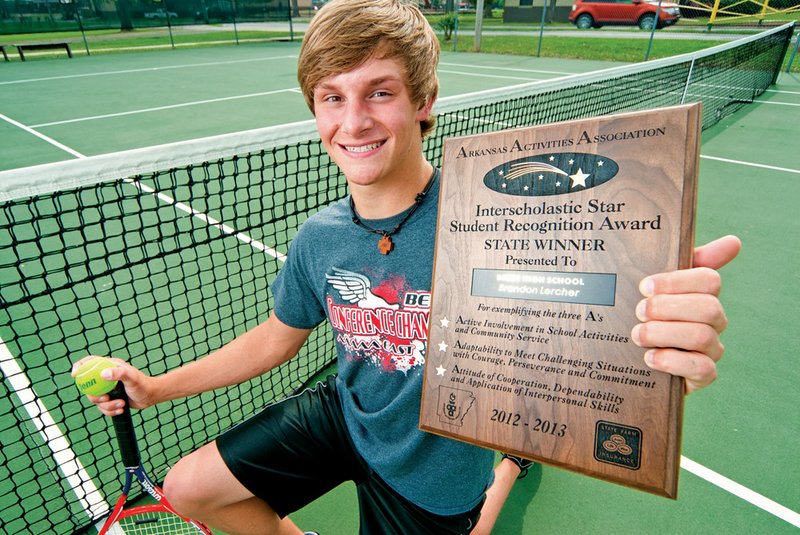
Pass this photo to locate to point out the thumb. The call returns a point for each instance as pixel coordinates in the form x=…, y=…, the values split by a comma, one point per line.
x=717, y=253
x=121, y=372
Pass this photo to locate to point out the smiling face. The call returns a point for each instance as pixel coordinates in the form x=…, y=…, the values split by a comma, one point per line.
x=345, y=34
x=369, y=125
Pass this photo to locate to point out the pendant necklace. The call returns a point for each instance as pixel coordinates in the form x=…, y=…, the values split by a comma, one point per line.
x=385, y=244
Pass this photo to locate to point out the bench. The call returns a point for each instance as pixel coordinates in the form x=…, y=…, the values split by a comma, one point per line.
x=41, y=46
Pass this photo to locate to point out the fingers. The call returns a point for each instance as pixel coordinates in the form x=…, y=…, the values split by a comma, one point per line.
x=135, y=385
x=683, y=281
x=687, y=349
x=717, y=253
x=697, y=369
x=682, y=317
x=692, y=308
x=683, y=336
x=108, y=406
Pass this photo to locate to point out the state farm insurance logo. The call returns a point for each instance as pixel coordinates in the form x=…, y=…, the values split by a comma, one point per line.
x=618, y=444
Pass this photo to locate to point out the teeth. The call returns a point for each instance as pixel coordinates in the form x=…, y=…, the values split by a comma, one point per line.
x=363, y=148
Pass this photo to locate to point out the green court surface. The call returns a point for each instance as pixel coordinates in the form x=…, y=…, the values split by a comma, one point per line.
x=740, y=441
x=100, y=104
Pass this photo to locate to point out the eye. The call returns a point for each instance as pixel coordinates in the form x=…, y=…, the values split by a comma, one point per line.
x=382, y=93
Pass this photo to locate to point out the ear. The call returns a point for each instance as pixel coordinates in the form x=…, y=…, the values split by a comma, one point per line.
x=424, y=112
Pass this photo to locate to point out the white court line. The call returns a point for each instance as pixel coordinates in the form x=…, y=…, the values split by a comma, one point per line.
x=210, y=221
x=161, y=108
x=212, y=63
x=510, y=69
x=778, y=103
x=740, y=491
x=87, y=493
x=782, y=91
x=480, y=75
x=42, y=136
x=751, y=164
x=146, y=69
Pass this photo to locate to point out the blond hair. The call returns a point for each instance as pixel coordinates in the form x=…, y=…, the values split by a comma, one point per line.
x=346, y=33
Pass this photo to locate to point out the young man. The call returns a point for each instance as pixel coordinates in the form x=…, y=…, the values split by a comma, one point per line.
x=368, y=71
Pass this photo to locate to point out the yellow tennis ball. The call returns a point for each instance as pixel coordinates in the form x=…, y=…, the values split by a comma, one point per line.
x=88, y=379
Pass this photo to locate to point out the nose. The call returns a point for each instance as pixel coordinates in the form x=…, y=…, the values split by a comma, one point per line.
x=356, y=118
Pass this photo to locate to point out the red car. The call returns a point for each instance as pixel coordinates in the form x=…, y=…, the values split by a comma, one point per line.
x=595, y=13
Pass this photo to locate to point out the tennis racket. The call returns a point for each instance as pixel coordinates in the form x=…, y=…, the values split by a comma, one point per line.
x=157, y=518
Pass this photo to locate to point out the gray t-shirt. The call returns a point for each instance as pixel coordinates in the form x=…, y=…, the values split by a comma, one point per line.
x=378, y=306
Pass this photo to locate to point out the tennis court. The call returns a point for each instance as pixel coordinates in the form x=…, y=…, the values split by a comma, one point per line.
x=152, y=300
x=107, y=103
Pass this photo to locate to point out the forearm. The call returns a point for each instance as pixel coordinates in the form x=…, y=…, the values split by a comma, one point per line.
x=247, y=356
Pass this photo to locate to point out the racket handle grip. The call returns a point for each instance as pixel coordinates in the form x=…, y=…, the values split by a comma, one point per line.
x=123, y=427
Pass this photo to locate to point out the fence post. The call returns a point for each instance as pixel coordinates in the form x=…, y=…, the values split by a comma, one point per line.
x=455, y=31
x=713, y=17
x=763, y=12
x=233, y=15
x=478, y=26
x=541, y=29
x=653, y=30
x=169, y=25
x=291, y=23
x=83, y=31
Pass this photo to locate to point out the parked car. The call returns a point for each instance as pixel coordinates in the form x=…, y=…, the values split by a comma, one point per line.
x=596, y=13
x=160, y=14
x=220, y=12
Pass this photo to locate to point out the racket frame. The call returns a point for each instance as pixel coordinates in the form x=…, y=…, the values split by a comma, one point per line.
x=131, y=459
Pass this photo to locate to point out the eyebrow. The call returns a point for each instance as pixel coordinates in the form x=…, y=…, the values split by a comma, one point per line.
x=372, y=83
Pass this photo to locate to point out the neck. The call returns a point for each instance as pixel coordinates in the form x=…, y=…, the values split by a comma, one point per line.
x=382, y=201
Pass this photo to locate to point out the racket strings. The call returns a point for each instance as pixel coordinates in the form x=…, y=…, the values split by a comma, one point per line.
x=153, y=523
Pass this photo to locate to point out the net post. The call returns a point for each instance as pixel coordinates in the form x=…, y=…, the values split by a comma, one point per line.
x=791, y=58
x=787, y=43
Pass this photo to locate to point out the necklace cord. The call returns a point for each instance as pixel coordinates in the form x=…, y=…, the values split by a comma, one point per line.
x=386, y=233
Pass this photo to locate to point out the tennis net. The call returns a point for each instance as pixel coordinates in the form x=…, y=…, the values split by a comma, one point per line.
x=161, y=255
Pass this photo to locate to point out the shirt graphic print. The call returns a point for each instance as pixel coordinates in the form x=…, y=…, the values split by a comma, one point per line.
x=385, y=325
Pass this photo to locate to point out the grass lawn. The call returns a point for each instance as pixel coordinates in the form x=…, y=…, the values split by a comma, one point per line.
x=573, y=47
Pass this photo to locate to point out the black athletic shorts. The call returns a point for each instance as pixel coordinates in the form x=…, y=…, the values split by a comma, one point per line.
x=298, y=449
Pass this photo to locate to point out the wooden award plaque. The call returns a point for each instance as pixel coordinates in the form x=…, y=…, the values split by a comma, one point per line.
x=544, y=234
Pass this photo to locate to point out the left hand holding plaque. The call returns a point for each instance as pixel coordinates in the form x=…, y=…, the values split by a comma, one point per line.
x=682, y=316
